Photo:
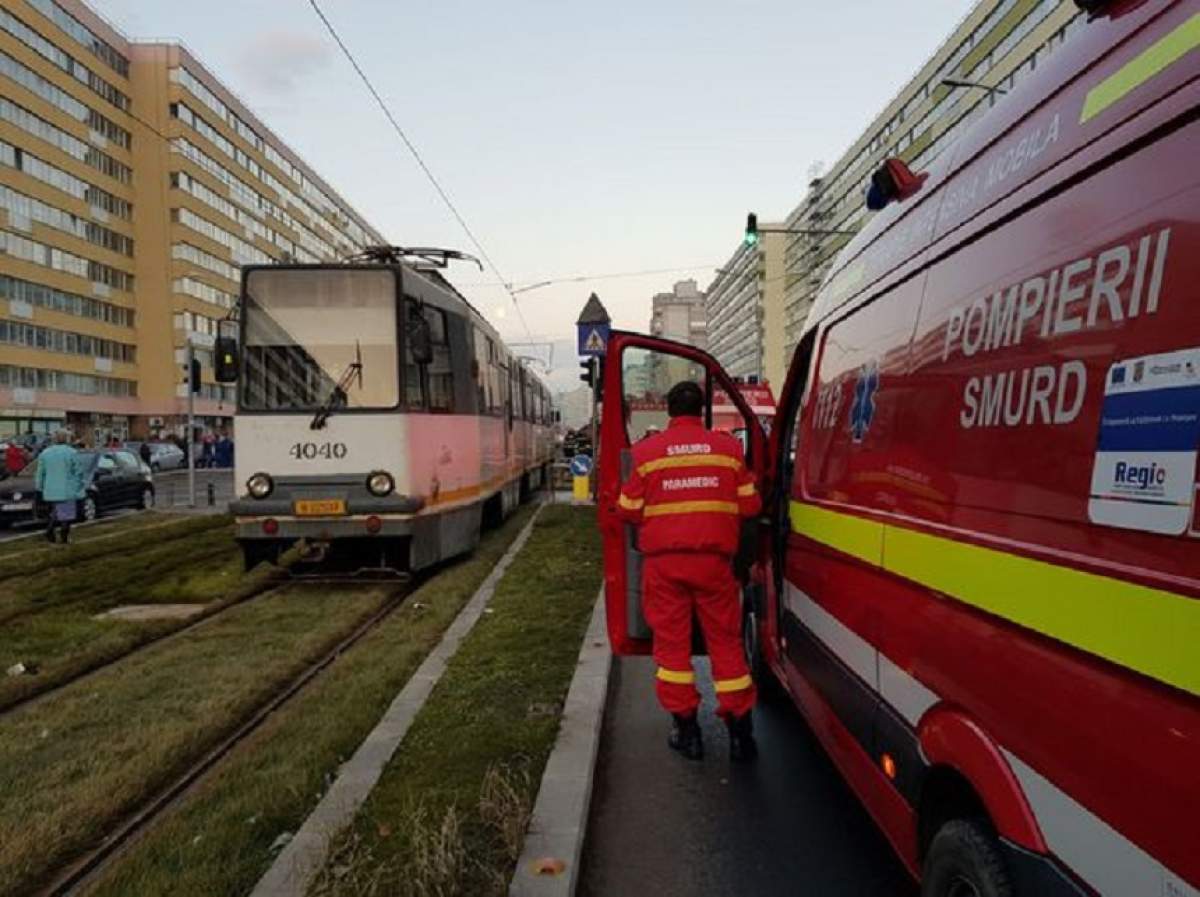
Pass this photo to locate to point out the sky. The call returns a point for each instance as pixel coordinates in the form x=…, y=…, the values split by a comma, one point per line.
x=574, y=138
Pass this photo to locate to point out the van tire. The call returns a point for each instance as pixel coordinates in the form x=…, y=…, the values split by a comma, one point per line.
x=964, y=860
x=760, y=672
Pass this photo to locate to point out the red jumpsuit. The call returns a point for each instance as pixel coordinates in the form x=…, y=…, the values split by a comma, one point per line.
x=687, y=494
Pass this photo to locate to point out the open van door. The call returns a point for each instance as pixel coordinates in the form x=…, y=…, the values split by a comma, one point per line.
x=638, y=372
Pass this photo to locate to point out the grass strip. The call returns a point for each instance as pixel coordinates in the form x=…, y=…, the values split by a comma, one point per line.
x=219, y=841
x=104, y=526
x=65, y=642
x=82, y=758
x=449, y=815
x=106, y=581
x=29, y=556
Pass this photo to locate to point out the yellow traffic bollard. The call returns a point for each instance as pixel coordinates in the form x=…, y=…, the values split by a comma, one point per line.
x=581, y=488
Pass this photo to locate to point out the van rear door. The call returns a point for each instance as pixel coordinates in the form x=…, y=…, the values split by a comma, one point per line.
x=638, y=372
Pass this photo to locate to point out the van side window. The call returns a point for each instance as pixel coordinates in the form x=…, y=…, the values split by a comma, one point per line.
x=853, y=433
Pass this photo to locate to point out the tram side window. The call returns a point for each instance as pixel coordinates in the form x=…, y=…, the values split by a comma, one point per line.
x=439, y=373
x=490, y=381
x=482, y=372
x=493, y=374
x=414, y=380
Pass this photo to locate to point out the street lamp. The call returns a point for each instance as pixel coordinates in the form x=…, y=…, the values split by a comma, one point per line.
x=961, y=82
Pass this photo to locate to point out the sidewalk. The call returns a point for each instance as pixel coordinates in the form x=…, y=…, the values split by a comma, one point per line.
x=663, y=826
x=171, y=491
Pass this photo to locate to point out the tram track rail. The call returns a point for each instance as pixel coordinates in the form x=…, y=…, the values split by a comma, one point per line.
x=85, y=869
x=274, y=583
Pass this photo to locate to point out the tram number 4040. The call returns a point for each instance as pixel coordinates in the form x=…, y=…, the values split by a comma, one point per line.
x=311, y=451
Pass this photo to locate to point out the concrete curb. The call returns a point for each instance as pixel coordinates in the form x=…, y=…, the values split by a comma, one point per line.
x=301, y=860
x=560, y=815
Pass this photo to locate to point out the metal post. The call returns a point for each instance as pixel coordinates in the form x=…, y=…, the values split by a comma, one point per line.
x=212, y=494
x=191, y=449
x=595, y=436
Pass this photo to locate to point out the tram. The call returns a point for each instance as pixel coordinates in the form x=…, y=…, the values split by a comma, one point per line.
x=379, y=417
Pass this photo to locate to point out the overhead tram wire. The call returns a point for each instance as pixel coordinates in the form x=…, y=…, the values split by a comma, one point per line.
x=421, y=163
x=582, y=278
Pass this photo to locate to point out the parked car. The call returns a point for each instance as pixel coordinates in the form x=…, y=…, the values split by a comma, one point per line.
x=115, y=479
x=163, y=455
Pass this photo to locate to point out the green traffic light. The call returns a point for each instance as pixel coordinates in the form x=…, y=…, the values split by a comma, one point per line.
x=751, y=237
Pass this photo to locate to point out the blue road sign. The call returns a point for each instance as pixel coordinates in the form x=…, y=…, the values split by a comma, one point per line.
x=581, y=466
x=593, y=339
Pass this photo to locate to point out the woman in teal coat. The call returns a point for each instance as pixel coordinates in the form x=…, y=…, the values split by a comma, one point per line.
x=59, y=479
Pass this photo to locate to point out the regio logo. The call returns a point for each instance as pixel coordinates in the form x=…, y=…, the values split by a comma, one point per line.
x=1143, y=476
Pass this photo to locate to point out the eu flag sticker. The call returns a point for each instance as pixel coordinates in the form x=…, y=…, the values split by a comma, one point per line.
x=1144, y=474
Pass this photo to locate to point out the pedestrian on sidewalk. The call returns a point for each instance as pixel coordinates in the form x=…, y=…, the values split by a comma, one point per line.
x=687, y=495
x=15, y=458
x=223, y=452
x=59, y=479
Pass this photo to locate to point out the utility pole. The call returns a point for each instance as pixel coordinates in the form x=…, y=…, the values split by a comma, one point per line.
x=192, y=385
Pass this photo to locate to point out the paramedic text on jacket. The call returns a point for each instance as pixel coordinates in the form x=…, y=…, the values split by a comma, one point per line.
x=687, y=494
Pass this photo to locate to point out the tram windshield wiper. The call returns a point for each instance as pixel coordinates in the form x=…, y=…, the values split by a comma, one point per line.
x=338, y=397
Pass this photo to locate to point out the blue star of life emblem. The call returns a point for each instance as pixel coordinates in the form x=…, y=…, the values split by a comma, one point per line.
x=862, y=412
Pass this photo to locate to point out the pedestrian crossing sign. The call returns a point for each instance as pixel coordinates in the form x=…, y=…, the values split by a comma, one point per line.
x=593, y=339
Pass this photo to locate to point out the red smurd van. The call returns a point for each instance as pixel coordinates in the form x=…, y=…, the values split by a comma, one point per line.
x=978, y=571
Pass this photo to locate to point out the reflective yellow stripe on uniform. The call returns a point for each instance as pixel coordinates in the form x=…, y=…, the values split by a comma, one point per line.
x=726, y=685
x=676, y=677
x=746, y=490
x=1152, y=631
x=630, y=504
x=691, y=507
x=689, y=461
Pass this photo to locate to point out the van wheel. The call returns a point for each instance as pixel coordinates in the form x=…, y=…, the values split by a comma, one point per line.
x=87, y=509
x=964, y=861
x=764, y=679
x=147, y=500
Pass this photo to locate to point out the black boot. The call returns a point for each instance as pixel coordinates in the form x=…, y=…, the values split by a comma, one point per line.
x=686, y=738
x=65, y=529
x=742, y=746
x=50, y=531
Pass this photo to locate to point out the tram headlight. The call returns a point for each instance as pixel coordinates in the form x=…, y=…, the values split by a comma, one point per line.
x=380, y=483
x=260, y=485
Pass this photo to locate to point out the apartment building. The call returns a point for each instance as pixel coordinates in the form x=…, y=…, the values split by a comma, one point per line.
x=680, y=316
x=996, y=45
x=744, y=310
x=133, y=185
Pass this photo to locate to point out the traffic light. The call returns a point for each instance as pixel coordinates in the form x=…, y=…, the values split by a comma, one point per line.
x=593, y=374
x=751, y=238
x=194, y=379
x=225, y=360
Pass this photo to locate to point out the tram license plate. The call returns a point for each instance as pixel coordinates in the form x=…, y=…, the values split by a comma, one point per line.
x=325, y=507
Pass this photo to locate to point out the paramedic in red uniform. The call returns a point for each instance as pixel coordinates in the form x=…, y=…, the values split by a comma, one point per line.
x=687, y=495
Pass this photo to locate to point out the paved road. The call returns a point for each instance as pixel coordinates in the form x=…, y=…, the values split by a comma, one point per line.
x=664, y=827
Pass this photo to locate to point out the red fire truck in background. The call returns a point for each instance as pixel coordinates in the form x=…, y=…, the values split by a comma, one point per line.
x=977, y=571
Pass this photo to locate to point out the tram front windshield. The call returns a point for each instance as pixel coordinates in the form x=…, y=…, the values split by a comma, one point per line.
x=304, y=328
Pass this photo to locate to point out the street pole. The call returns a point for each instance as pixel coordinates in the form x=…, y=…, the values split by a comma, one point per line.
x=191, y=450
x=595, y=406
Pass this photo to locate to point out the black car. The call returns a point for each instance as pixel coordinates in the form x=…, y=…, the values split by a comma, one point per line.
x=115, y=479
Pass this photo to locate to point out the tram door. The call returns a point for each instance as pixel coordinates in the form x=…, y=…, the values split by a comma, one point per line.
x=638, y=373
